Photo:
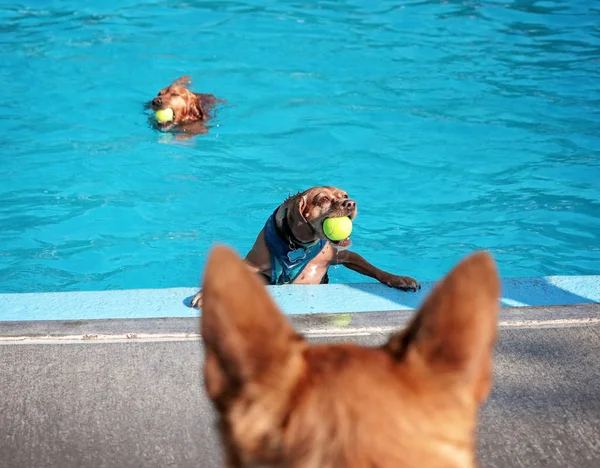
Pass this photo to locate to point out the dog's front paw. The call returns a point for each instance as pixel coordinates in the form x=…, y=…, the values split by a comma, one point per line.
x=405, y=283
x=197, y=301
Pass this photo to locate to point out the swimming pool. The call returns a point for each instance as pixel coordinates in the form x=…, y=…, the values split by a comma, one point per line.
x=455, y=125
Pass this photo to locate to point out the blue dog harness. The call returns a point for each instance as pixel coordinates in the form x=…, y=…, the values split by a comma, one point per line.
x=289, y=257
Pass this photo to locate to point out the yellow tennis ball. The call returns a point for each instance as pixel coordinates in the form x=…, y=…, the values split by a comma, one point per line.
x=342, y=320
x=164, y=115
x=337, y=229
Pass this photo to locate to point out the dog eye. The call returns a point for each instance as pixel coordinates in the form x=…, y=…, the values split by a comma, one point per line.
x=345, y=196
x=324, y=200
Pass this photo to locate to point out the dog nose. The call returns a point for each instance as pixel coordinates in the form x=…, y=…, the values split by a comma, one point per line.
x=349, y=204
x=157, y=101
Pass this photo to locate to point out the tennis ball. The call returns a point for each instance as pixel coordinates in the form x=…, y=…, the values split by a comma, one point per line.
x=342, y=320
x=164, y=115
x=337, y=229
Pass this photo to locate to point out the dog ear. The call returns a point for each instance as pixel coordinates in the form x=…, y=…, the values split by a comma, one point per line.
x=302, y=207
x=195, y=107
x=454, y=332
x=301, y=226
x=250, y=347
x=184, y=81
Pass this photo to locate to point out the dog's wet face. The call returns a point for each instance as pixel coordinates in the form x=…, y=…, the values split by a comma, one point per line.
x=319, y=203
x=184, y=103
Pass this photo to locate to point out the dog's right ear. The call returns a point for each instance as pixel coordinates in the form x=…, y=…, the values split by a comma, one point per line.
x=184, y=81
x=250, y=347
x=454, y=332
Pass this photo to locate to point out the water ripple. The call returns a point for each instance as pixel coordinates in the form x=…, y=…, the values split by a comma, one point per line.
x=456, y=125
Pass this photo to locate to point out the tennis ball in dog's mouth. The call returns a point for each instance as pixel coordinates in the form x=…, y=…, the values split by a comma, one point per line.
x=337, y=229
x=164, y=115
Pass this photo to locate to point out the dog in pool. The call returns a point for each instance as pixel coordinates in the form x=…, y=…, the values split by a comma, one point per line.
x=293, y=249
x=189, y=111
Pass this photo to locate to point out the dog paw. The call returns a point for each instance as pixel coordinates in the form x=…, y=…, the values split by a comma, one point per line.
x=197, y=301
x=405, y=283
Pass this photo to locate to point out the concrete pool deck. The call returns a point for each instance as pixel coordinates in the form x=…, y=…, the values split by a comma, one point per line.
x=125, y=403
x=113, y=379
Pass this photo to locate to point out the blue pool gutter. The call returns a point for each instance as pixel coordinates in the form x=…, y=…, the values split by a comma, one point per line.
x=293, y=300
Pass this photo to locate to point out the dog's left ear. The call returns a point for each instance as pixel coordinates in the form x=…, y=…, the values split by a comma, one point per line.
x=196, y=110
x=184, y=81
x=251, y=349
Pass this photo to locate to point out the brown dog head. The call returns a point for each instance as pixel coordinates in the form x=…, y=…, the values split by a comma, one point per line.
x=306, y=212
x=186, y=105
x=412, y=402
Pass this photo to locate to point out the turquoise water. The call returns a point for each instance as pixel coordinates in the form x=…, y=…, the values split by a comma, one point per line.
x=455, y=126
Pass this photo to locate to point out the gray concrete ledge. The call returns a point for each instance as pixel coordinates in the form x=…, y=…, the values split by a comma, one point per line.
x=135, y=403
x=312, y=324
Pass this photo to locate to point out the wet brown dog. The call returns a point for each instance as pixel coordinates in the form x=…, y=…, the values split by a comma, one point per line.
x=191, y=110
x=292, y=248
x=411, y=403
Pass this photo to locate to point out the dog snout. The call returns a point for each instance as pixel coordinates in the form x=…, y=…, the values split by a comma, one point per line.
x=349, y=204
x=157, y=101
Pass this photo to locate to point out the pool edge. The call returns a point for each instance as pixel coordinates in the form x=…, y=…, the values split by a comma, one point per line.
x=323, y=324
x=292, y=299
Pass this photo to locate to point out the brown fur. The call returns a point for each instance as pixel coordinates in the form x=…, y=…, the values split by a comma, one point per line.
x=191, y=110
x=305, y=213
x=410, y=403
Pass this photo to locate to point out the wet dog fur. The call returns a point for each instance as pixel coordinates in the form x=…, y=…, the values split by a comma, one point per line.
x=412, y=402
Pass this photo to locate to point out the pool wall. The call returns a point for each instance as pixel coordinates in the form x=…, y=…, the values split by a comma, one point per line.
x=293, y=299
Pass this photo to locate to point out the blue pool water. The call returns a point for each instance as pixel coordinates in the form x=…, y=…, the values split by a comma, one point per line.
x=455, y=125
